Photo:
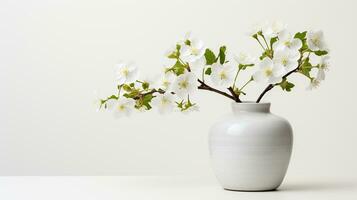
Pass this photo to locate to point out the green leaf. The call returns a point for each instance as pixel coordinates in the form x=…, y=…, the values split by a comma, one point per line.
x=178, y=68
x=112, y=97
x=210, y=57
x=306, y=67
x=131, y=94
x=208, y=71
x=145, y=85
x=286, y=85
x=127, y=88
x=320, y=53
x=300, y=35
x=222, y=54
x=146, y=101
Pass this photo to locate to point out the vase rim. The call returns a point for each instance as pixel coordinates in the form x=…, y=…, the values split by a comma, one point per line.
x=250, y=102
x=251, y=106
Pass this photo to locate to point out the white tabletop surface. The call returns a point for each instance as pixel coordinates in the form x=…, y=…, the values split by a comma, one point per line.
x=157, y=188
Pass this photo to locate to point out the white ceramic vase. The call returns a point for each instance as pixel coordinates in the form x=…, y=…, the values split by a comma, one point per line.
x=251, y=148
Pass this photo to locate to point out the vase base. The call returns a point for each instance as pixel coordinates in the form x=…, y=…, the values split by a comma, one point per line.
x=253, y=190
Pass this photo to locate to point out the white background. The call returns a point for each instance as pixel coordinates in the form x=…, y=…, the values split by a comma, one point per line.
x=55, y=54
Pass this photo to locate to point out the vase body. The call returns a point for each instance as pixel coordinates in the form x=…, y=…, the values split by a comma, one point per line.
x=250, y=148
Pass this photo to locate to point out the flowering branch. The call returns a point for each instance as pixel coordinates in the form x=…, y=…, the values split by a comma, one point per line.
x=191, y=67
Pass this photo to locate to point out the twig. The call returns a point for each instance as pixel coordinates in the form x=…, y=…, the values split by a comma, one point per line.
x=204, y=86
x=271, y=86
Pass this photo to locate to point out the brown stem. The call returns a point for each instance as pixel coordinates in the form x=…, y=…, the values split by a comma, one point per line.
x=204, y=86
x=271, y=86
x=236, y=97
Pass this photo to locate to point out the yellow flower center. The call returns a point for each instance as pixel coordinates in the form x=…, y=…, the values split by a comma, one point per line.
x=268, y=72
x=166, y=83
x=284, y=61
x=194, y=51
x=183, y=84
x=125, y=71
x=121, y=107
x=222, y=76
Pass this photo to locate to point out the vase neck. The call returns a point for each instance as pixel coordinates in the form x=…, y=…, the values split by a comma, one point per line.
x=251, y=107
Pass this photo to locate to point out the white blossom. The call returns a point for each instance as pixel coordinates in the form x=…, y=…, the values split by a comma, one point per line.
x=223, y=75
x=244, y=58
x=255, y=29
x=315, y=40
x=166, y=81
x=271, y=30
x=198, y=66
x=286, y=58
x=187, y=37
x=165, y=103
x=126, y=73
x=185, y=84
x=192, y=51
x=123, y=107
x=322, y=67
x=314, y=83
x=287, y=40
x=269, y=72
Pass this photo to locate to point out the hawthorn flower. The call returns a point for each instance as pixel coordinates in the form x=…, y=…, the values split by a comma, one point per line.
x=164, y=102
x=244, y=59
x=123, y=107
x=271, y=30
x=255, y=29
x=315, y=40
x=126, y=73
x=314, y=83
x=192, y=50
x=269, y=72
x=322, y=67
x=185, y=84
x=286, y=40
x=223, y=75
x=166, y=81
x=286, y=58
x=198, y=66
x=187, y=38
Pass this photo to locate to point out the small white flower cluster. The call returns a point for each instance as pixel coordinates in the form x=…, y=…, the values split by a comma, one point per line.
x=189, y=62
x=285, y=49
